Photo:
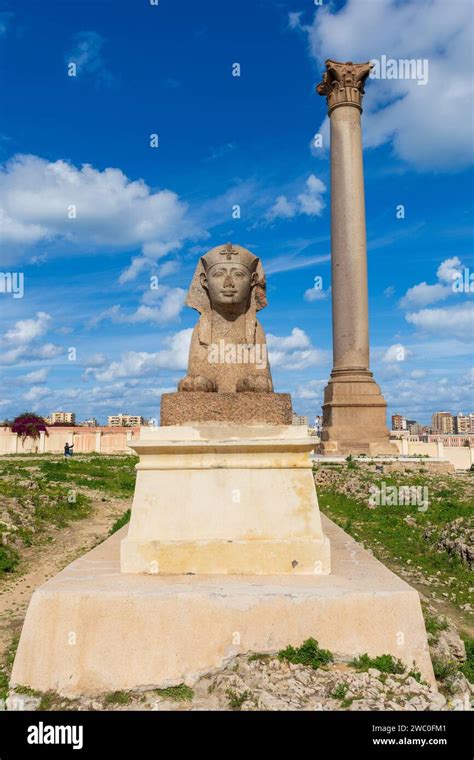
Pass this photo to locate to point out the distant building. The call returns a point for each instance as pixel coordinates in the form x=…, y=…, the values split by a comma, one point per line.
x=90, y=423
x=442, y=422
x=68, y=418
x=414, y=427
x=299, y=419
x=398, y=422
x=464, y=423
x=125, y=420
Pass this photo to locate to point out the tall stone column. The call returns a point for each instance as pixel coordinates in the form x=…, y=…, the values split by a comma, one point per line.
x=354, y=409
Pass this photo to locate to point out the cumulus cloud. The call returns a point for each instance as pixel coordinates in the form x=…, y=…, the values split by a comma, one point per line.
x=142, y=363
x=428, y=125
x=37, y=376
x=26, y=330
x=295, y=351
x=309, y=203
x=424, y=294
x=313, y=390
x=396, y=353
x=170, y=304
x=111, y=211
x=21, y=340
x=454, y=321
x=36, y=393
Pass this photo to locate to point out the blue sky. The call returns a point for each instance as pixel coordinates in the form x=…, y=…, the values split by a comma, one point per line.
x=84, y=141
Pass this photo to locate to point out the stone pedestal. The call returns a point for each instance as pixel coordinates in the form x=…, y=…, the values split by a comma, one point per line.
x=354, y=410
x=133, y=631
x=354, y=413
x=232, y=408
x=228, y=500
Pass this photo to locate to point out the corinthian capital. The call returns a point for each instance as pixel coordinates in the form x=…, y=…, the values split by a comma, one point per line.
x=343, y=83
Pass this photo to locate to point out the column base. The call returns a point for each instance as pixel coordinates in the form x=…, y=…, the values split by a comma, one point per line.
x=354, y=415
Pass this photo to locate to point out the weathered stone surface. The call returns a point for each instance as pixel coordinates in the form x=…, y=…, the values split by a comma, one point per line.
x=120, y=620
x=236, y=408
x=225, y=499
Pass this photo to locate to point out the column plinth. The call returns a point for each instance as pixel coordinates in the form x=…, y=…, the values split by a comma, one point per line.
x=354, y=410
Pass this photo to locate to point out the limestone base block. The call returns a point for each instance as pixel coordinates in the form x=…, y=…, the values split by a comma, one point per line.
x=354, y=416
x=91, y=629
x=233, y=500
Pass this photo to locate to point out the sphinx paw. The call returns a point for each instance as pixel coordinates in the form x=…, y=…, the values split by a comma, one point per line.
x=197, y=383
x=254, y=384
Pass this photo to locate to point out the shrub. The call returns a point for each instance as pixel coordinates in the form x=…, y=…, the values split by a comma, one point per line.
x=309, y=653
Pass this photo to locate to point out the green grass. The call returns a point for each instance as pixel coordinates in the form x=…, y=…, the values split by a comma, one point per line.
x=118, y=698
x=340, y=691
x=444, y=668
x=6, y=667
x=112, y=475
x=180, y=693
x=123, y=520
x=50, y=491
x=384, y=530
x=309, y=653
x=9, y=558
x=467, y=668
x=434, y=625
x=236, y=700
x=384, y=662
x=259, y=657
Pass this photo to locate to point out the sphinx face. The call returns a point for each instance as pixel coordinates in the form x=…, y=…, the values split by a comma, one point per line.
x=229, y=283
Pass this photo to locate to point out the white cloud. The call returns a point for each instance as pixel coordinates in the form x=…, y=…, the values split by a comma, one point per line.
x=309, y=202
x=170, y=305
x=313, y=389
x=37, y=376
x=26, y=330
x=36, y=392
x=112, y=211
x=96, y=360
x=315, y=294
x=294, y=352
x=424, y=294
x=454, y=321
x=428, y=125
x=141, y=363
x=449, y=269
x=395, y=353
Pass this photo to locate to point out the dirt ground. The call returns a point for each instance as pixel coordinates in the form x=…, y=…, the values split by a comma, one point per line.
x=41, y=562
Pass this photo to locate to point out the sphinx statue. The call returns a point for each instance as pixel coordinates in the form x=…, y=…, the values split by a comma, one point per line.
x=228, y=352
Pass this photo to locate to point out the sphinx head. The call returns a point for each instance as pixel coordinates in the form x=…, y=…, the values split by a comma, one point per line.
x=229, y=276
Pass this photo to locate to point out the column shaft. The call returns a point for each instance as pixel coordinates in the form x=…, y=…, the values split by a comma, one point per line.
x=348, y=242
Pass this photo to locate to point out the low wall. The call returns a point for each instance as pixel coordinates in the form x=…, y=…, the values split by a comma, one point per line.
x=112, y=440
x=462, y=457
x=105, y=440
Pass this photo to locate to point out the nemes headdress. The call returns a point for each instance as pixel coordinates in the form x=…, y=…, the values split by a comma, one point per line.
x=198, y=297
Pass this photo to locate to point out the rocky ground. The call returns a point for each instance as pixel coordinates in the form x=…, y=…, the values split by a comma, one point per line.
x=261, y=683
